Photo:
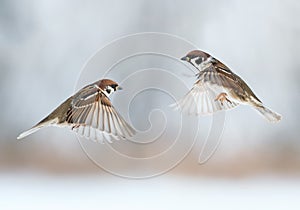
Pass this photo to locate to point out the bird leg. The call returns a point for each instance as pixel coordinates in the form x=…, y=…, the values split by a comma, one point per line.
x=222, y=97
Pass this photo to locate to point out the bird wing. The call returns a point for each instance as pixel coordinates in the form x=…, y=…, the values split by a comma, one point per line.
x=212, y=81
x=220, y=75
x=200, y=100
x=92, y=115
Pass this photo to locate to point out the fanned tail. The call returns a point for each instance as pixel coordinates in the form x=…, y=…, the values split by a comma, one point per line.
x=268, y=114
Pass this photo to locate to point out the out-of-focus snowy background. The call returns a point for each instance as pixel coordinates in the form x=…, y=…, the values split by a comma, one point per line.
x=43, y=47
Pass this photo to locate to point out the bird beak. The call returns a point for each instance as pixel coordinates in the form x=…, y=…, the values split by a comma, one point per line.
x=185, y=58
x=119, y=88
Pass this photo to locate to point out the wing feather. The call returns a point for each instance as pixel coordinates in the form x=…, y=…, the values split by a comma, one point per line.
x=200, y=100
x=93, y=116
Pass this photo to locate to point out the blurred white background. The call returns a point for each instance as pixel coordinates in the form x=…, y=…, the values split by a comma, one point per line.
x=43, y=47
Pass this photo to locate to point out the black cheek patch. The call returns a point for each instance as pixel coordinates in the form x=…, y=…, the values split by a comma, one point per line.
x=198, y=61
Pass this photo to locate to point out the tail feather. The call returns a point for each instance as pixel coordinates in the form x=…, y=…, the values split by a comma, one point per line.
x=30, y=131
x=37, y=127
x=268, y=114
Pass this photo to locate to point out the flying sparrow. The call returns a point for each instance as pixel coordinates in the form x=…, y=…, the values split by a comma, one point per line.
x=90, y=113
x=218, y=88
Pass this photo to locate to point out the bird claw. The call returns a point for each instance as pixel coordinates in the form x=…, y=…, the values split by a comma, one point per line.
x=75, y=126
x=222, y=97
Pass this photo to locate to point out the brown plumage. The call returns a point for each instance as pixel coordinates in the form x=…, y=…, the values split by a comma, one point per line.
x=90, y=113
x=218, y=88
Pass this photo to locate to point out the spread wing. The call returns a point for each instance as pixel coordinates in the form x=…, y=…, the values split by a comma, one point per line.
x=200, y=100
x=93, y=116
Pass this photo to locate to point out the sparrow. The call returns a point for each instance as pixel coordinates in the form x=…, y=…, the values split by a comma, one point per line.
x=90, y=113
x=218, y=88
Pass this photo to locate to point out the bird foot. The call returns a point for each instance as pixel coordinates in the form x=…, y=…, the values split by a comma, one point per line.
x=75, y=126
x=222, y=97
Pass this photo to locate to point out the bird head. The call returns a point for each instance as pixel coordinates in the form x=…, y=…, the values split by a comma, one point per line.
x=109, y=86
x=197, y=58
